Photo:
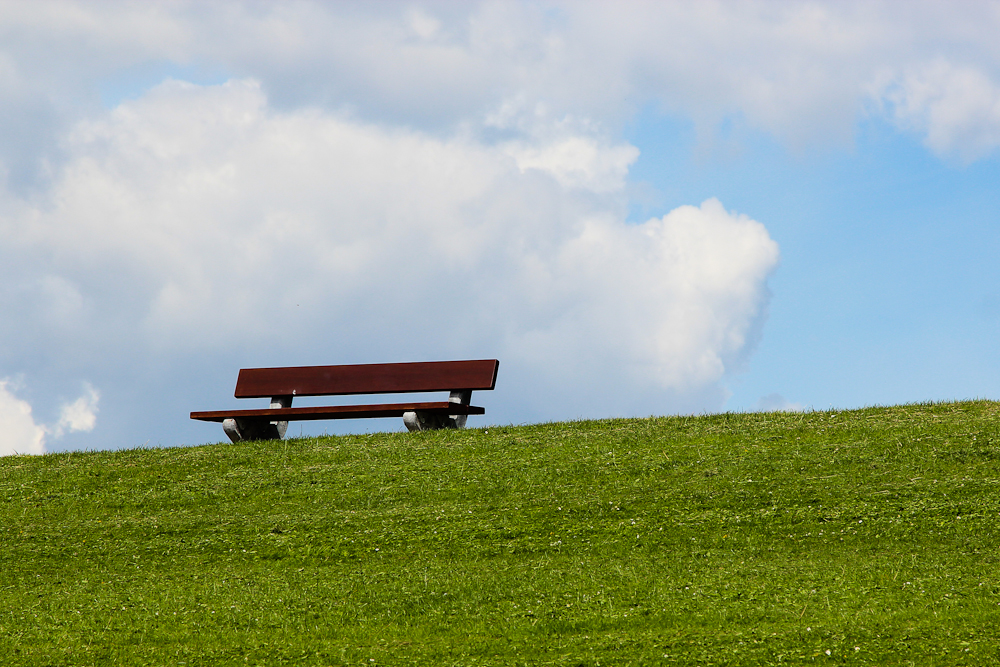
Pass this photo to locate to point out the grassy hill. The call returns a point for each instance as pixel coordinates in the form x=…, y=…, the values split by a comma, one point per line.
x=866, y=536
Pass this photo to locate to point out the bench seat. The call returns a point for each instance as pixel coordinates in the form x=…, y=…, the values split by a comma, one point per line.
x=341, y=412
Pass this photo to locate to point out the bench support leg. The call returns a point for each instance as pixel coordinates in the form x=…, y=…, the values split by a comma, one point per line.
x=281, y=402
x=424, y=421
x=461, y=398
x=232, y=430
x=239, y=430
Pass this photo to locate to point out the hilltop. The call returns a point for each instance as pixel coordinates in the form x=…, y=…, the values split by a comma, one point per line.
x=863, y=536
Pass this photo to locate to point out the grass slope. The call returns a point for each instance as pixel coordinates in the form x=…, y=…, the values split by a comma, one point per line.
x=865, y=536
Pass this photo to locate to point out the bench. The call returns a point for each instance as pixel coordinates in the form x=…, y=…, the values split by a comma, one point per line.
x=281, y=385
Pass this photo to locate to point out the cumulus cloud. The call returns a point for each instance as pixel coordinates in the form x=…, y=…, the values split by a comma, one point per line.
x=777, y=403
x=668, y=303
x=956, y=108
x=200, y=218
x=20, y=434
x=80, y=415
x=577, y=162
x=803, y=72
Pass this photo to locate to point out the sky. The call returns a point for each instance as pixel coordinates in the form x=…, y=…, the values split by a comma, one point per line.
x=639, y=208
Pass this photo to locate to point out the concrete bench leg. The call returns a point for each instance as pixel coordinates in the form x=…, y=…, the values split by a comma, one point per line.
x=426, y=421
x=239, y=430
x=232, y=430
x=423, y=421
x=460, y=398
x=281, y=402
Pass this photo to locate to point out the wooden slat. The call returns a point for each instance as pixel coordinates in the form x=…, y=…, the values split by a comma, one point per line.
x=367, y=379
x=340, y=412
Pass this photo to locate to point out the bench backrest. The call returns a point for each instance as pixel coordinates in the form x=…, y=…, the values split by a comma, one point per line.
x=367, y=379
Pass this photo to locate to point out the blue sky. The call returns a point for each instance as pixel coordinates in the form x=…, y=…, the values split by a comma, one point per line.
x=888, y=286
x=651, y=208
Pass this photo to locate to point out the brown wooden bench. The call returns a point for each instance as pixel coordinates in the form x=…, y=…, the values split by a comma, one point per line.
x=281, y=385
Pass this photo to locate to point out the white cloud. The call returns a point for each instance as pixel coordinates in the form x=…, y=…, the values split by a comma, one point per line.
x=956, y=108
x=802, y=71
x=577, y=162
x=19, y=434
x=80, y=415
x=669, y=303
x=777, y=403
x=223, y=222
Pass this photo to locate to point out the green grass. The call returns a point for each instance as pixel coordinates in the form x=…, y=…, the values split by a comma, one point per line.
x=866, y=536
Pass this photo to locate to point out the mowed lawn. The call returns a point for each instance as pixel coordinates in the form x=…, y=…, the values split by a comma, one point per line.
x=862, y=537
